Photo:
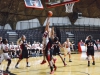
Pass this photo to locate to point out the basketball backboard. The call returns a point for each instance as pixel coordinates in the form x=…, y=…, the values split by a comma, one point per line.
x=33, y=4
x=54, y=3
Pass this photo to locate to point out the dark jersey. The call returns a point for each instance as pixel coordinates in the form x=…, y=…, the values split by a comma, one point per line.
x=56, y=45
x=48, y=50
x=24, y=50
x=90, y=44
x=23, y=46
x=49, y=44
x=56, y=48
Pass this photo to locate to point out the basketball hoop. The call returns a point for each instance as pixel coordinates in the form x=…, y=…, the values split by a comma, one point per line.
x=69, y=7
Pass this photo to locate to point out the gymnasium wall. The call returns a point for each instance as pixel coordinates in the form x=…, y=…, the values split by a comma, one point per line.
x=54, y=21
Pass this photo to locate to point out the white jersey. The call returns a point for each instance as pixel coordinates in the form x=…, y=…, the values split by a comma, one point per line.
x=4, y=47
x=45, y=40
x=12, y=47
x=67, y=44
x=67, y=47
x=2, y=54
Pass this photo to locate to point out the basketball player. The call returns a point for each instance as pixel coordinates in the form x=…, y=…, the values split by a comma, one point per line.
x=23, y=51
x=90, y=49
x=12, y=47
x=4, y=53
x=47, y=36
x=45, y=40
x=48, y=47
x=49, y=52
x=49, y=33
x=86, y=48
x=56, y=50
x=67, y=44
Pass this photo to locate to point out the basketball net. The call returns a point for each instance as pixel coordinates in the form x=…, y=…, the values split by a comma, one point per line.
x=69, y=7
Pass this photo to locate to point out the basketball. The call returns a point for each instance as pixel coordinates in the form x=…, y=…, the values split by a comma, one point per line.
x=50, y=13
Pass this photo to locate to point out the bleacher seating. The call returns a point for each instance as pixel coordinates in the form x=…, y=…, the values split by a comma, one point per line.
x=36, y=35
x=80, y=35
x=31, y=35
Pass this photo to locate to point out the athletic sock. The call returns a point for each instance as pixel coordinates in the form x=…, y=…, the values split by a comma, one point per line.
x=64, y=59
x=17, y=63
x=93, y=63
x=51, y=68
x=27, y=63
x=7, y=68
x=88, y=63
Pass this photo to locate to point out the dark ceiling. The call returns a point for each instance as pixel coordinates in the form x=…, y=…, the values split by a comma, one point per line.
x=12, y=11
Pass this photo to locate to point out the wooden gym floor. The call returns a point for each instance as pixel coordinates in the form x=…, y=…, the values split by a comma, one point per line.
x=78, y=66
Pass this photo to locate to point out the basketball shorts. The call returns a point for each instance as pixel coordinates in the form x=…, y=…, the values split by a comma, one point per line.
x=4, y=56
x=90, y=52
x=49, y=54
x=56, y=51
x=67, y=50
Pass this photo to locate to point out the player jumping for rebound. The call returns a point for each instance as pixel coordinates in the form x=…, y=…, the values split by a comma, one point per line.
x=46, y=36
x=45, y=41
